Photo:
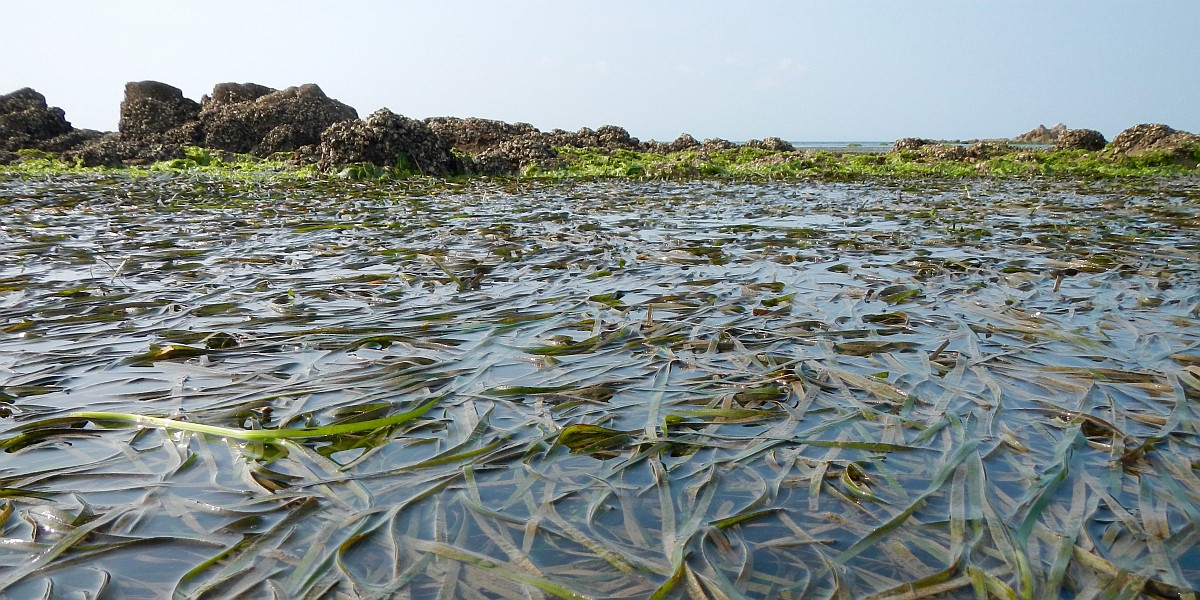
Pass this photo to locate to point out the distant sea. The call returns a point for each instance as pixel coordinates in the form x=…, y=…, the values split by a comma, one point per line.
x=842, y=147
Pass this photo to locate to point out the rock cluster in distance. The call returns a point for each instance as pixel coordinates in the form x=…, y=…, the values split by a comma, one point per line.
x=157, y=121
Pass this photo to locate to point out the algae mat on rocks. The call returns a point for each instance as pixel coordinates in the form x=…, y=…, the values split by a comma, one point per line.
x=334, y=389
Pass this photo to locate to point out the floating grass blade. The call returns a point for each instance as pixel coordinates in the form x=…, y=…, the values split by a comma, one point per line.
x=258, y=435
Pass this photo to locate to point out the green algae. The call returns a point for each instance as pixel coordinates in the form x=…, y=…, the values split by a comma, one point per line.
x=735, y=163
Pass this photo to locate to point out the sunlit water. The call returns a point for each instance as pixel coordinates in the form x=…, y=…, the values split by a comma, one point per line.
x=806, y=390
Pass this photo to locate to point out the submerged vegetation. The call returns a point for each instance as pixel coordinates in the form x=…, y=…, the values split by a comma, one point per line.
x=324, y=387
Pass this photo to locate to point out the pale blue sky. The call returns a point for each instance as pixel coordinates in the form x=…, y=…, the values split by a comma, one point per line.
x=801, y=70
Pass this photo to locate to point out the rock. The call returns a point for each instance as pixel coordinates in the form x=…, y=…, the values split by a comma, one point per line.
x=232, y=93
x=20, y=100
x=715, y=145
x=943, y=152
x=1041, y=135
x=513, y=156
x=931, y=150
x=115, y=150
x=8, y=158
x=771, y=143
x=683, y=143
x=382, y=139
x=984, y=150
x=608, y=137
x=911, y=143
x=1155, y=136
x=254, y=119
x=70, y=140
x=306, y=155
x=154, y=112
x=27, y=122
x=1080, y=139
x=474, y=136
x=616, y=138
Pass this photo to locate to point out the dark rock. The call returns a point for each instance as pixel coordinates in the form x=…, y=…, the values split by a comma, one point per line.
x=932, y=150
x=987, y=149
x=911, y=144
x=265, y=123
x=608, y=137
x=943, y=152
x=22, y=99
x=683, y=143
x=1155, y=136
x=716, y=144
x=114, y=150
x=27, y=122
x=1041, y=135
x=8, y=158
x=232, y=93
x=474, y=135
x=309, y=154
x=771, y=143
x=616, y=138
x=70, y=140
x=513, y=156
x=384, y=137
x=154, y=112
x=283, y=138
x=1080, y=139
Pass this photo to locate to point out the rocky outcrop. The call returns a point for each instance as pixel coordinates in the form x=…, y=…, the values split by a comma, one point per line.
x=156, y=122
x=771, y=143
x=984, y=150
x=716, y=145
x=233, y=93
x=154, y=112
x=608, y=137
x=683, y=143
x=473, y=135
x=115, y=150
x=1080, y=139
x=910, y=143
x=253, y=119
x=514, y=155
x=26, y=121
x=1157, y=137
x=933, y=150
x=386, y=139
x=246, y=118
x=1041, y=135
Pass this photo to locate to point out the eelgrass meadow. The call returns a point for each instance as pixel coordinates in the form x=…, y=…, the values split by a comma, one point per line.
x=273, y=387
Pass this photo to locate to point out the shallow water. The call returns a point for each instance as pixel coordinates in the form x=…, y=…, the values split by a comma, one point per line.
x=714, y=389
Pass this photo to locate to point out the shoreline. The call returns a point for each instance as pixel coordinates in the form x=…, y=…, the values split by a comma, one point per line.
x=246, y=127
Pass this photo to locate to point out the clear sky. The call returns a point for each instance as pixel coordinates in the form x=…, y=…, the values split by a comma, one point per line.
x=797, y=69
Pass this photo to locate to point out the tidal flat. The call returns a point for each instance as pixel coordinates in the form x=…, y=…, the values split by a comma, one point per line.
x=214, y=387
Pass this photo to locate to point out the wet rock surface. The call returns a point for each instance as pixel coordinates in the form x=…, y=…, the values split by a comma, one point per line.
x=387, y=139
x=1080, y=139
